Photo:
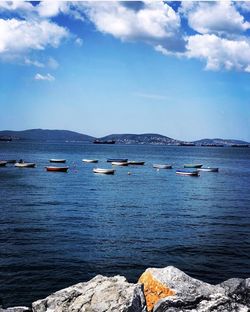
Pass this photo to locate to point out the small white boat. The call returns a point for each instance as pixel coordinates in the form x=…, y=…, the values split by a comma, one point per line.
x=104, y=171
x=3, y=163
x=119, y=163
x=90, y=160
x=208, y=169
x=25, y=165
x=159, y=166
x=194, y=173
x=136, y=163
x=57, y=160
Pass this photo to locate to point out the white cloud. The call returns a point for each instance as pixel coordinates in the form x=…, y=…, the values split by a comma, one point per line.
x=154, y=21
x=47, y=77
x=50, y=63
x=220, y=53
x=18, y=36
x=79, y=42
x=35, y=63
x=23, y=8
x=219, y=17
x=52, y=8
x=243, y=5
x=217, y=29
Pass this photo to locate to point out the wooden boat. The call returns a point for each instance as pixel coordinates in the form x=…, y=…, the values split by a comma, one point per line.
x=119, y=163
x=208, y=169
x=90, y=160
x=159, y=166
x=117, y=160
x=104, y=171
x=192, y=165
x=194, y=173
x=136, y=163
x=57, y=160
x=57, y=169
x=25, y=165
x=3, y=163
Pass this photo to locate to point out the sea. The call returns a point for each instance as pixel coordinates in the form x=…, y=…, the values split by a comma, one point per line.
x=58, y=229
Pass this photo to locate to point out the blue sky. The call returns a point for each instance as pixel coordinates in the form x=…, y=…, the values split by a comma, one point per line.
x=178, y=69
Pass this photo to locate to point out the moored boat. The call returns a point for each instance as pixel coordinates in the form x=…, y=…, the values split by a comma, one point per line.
x=117, y=160
x=119, y=163
x=161, y=166
x=104, y=171
x=57, y=160
x=194, y=173
x=90, y=160
x=192, y=165
x=208, y=169
x=57, y=169
x=11, y=161
x=136, y=163
x=24, y=165
x=3, y=163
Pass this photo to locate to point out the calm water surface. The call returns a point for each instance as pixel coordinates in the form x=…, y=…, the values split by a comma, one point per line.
x=57, y=229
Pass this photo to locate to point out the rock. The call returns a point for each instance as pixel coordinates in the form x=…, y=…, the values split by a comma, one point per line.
x=153, y=289
x=16, y=309
x=238, y=290
x=98, y=295
x=179, y=292
x=177, y=284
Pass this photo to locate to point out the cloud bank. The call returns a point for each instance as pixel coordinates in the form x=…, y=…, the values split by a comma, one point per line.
x=216, y=33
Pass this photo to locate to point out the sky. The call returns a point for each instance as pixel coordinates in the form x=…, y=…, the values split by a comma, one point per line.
x=181, y=69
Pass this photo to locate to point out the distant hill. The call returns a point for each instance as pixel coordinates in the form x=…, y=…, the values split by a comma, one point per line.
x=146, y=138
x=46, y=135
x=224, y=142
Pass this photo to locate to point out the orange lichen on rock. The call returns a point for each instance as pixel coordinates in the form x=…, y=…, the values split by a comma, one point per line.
x=153, y=290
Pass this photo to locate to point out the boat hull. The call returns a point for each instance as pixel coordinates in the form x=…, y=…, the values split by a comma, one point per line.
x=136, y=163
x=188, y=173
x=3, y=163
x=103, y=171
x=25, y=165
x=90, y=160
x=57, y=160
x=192, y=165
x=162, y=166
x=57, y=169
x=117, y=160
x=119, y=163
x=208, y=169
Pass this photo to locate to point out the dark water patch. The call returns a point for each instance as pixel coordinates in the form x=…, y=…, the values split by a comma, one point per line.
x=57, y=230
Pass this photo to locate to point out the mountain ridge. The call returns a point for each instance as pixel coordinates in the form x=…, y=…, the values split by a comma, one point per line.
x=46, y=135
x=123, y=138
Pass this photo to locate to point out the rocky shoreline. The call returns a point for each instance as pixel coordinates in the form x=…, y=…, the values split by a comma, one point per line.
x=158, y=290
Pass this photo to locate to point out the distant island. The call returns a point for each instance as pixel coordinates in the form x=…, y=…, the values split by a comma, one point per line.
x=146, y=138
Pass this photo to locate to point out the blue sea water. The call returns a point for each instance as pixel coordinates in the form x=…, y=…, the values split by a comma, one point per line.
x=57, y=229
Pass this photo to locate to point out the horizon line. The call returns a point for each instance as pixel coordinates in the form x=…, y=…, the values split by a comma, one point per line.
x=127, y=133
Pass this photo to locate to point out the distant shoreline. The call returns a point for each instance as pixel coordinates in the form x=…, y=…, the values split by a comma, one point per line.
x=125, y=139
